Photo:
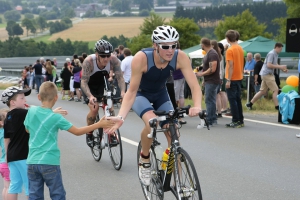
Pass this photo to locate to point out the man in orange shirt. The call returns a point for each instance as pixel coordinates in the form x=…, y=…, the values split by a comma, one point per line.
x=234, y=76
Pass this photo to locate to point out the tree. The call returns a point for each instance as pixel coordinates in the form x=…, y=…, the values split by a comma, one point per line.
x=41, y=23
x=187, y=29
x=161, y=2
x=17, y=30
x=27, y=23
x=9, y=26
x=245, y=23
x=146, y=5
x=12, y=15
x=5, y=6
x=139, y=42
x=150, y=23
x=29, y=15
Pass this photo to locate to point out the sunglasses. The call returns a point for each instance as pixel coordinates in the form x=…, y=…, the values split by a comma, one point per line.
x=165, y=47
x=104, y=55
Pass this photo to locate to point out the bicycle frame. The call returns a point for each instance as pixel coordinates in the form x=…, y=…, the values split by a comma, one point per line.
x=166, y=176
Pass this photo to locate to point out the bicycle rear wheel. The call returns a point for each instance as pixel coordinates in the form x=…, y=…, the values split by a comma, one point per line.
x=187, y=184
x=155, y=189
x=115, y=149
x=97, y=137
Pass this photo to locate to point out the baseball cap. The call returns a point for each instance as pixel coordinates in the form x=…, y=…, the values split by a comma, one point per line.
x=68, y=60
x=9, y=92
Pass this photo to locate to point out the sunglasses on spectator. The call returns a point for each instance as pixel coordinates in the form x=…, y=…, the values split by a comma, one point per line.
x=165, y=47
x=104, y=55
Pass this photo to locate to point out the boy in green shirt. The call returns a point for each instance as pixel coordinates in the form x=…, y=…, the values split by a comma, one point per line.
x=43, y=160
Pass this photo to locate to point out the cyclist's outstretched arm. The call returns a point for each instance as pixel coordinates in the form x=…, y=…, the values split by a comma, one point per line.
x=116, y=66
x=183, y=63
x=87, y=68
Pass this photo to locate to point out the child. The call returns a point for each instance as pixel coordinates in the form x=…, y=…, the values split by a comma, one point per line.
x=4, y=171
x=44, y=156
x=16, y=139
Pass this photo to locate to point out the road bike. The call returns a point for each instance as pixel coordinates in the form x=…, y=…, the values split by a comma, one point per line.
x=184, y=184
x=100, y=139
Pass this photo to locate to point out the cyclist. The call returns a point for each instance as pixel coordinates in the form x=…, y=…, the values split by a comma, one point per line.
x=94, y=68
x=150, y=69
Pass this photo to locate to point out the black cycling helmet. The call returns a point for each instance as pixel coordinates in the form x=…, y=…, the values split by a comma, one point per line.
x=103, y=46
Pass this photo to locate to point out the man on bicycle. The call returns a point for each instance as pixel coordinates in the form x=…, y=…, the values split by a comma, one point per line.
x=150, y=69
x=94, y=68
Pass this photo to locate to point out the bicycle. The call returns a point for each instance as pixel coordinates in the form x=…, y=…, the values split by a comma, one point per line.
x=185, y=183
x=100, y=139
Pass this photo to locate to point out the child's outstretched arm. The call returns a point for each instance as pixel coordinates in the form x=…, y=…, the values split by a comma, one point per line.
x=59, y=110
x=102, y=123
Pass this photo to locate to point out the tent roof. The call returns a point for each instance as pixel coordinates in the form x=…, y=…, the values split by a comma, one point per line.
x=263, y=46
x=196, y=54
x=191, y=49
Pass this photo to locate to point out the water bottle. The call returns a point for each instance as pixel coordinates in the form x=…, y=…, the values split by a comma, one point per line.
x=165, y=158
x=201, y=125
x=159, y=153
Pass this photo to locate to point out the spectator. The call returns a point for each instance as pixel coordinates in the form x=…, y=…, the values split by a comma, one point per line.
x=76, y=73
x=126, y=67
x=257, y=68
x=121, y=54
x=16, y=139
x=234, y=76
x=248, y=69
x=211, y=74
x=4, y=170
x=179, y=83
x=65, y=75
x=84, y=55
x=43, y=133
x=38, y=74
x=49, y=69
x=267, y=76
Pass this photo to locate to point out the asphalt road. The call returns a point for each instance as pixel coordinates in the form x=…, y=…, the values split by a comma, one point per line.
x=260, y=161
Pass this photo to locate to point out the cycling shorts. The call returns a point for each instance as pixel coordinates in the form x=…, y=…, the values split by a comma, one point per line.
x=145, y=101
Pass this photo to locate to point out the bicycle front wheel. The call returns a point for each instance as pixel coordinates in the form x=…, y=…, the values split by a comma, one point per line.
x=96, y=149
x=155, y=189
x=115, y=149
x=187, y=184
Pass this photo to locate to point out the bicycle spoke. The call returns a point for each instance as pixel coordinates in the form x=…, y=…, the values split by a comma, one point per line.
x=115, y=149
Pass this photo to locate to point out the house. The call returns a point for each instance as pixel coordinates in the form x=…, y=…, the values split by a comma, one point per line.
x=19, y=8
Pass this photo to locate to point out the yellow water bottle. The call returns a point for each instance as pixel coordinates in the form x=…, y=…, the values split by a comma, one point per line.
x=165, y=159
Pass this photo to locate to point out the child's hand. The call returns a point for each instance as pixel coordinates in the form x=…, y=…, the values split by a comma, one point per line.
x=104, y=123
x=59, y=110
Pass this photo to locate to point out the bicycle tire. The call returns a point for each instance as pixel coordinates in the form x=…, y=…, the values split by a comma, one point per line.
x=115, y=150
x=97, y=137
x=187, y=184
x=155, y=189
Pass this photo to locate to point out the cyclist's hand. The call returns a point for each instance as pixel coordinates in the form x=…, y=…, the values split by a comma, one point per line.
x=194, y=111
x=92, y=100
x=104, y=123
x=110, y=79
x=117, y=124
x=59, y=110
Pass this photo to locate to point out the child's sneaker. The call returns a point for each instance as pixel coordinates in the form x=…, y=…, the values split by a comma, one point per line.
x=233, y=125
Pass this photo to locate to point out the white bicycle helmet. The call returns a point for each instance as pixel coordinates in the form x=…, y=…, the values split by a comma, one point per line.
x=165, y=34
x=9, y=92
x=103, y=46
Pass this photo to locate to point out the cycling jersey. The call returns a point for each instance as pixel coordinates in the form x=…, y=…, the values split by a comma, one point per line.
x=152, y=93
x=96, y=82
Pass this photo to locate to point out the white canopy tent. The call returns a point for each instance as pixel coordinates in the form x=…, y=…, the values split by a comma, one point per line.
x=196, y=54
x=224, y=41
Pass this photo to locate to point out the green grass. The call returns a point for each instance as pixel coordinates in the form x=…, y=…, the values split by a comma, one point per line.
x=92, y=44
x=2, y=25
x=44, y=38
x=166, y=15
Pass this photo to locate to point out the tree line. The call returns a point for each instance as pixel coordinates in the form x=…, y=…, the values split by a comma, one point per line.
x=265, y=12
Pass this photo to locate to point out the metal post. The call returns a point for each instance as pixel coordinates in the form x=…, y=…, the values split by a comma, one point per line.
x=248, y=87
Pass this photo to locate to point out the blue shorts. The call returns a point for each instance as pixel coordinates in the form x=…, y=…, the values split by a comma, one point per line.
x=160, y=101
x=18, y=177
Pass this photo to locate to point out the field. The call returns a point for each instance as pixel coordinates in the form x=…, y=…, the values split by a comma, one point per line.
x=94, y=29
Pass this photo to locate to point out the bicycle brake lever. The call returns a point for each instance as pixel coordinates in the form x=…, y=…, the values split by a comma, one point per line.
x=150, y=135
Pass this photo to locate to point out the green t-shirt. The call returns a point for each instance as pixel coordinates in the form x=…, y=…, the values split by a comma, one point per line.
x=43, y=125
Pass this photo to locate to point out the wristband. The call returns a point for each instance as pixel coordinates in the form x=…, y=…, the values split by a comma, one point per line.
x=121, y=118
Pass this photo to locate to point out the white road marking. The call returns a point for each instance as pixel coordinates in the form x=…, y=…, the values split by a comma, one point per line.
x=249, y=120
